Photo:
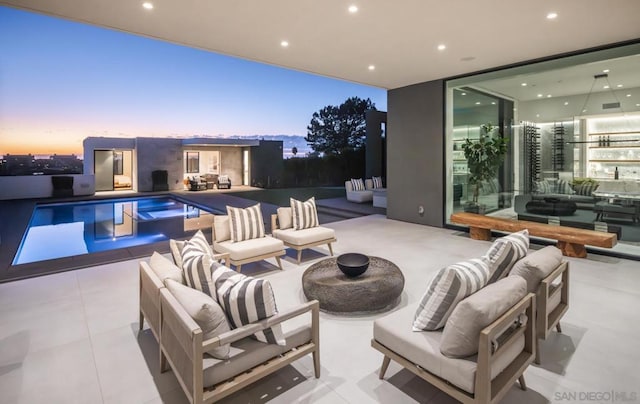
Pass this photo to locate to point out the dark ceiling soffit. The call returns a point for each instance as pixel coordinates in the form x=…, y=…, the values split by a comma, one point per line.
x=220, y=142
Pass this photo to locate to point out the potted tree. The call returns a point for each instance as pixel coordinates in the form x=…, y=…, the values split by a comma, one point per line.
x=484, y=156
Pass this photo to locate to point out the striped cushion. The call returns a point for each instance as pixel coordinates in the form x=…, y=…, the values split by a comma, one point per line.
x=504, y=252
x=563, y=187
x=246, y=300
x=377, y=182
x=305, y=214
x=542, y=187
x=357, y=184
x=448, y=287
x=197, y=261
x=245, y=224
x=587, y=188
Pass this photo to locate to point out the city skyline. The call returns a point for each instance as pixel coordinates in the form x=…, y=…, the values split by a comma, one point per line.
x=62, y=81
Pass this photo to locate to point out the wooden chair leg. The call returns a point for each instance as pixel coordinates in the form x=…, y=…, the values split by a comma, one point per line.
x=141, y=321
x=163, y=362
x=279, y=262
x=385, y=364
x=316, y=363
x=239, y=268
x=330, y=249
x=523, y=385
x=299, y=256
x=537, y=360
x=558, y=328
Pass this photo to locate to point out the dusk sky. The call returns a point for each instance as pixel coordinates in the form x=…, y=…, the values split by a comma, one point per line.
x=62, y=81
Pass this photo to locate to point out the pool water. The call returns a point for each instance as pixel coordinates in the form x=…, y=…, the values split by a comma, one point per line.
x=69, y=229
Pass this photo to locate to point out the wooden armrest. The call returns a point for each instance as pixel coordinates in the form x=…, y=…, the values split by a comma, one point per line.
x=274, y=222
x=491, y=331
x=249, y=329
x=223, y=256
x=562, y=268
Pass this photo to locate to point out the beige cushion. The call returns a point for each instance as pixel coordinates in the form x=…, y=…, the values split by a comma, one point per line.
x=285, y=218
x=205, y=312
x=250, y=248
x=423, y=348
x=164, y=268
x=537, y=266
x=248, y=353
x=176, y=247
x=305, y=236
x=449, y=286
x=462, y=330
x=222, y=228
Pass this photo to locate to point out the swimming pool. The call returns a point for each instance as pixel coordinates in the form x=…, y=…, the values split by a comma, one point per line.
x=69, y=229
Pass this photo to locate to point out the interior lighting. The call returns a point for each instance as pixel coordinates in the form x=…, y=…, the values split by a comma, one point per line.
x=493, y=103
x=147, y=5
x=605, y=71
x=442, y=47
x=552, y=16
x=353, y=9
x=605, y=87
x=464, y=93
x=619, y=86
x=523, y=84
x=637, y=105
x=478, y=103
x=628, y=95
x=372, y=67
x=284, y=44
x=539, y=95
x=566, y=103
x=548, y=95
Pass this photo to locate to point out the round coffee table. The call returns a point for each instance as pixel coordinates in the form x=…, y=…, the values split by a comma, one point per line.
x=377, y=289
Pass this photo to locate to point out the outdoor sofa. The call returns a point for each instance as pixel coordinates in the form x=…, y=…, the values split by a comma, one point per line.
x=361, y=196
x=167, y=304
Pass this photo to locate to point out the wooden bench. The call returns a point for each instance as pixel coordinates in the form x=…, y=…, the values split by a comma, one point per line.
x=571, y=241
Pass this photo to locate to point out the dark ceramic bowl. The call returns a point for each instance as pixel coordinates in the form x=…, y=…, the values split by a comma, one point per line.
x=353, y=264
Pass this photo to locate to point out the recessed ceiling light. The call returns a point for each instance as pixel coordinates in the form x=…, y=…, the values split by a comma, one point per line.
x=539, y=95
x=628, y=95
x=464, y=93
x=478, y=103
x=147, y=5
x=493, y=103
x=537, y=115
x=548, y=95
x=442, y=47
x=605, y=87
x=523, y=84
x=605, y=71
x=353, y=9
x=637, y=105
x=619, y=85
x=566, y=103
x=372, y=67
x=284, y=44
x=552, y=16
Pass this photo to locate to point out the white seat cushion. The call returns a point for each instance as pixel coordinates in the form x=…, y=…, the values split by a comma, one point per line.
x=304, y=236
x=249, y=248
x=423, y=348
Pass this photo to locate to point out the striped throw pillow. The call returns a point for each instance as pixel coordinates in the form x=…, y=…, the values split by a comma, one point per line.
x=542, y=187
x=563, y=187
x=505, y=252
x=447, y=288
x=197, y=262
x=305, y=214
x=357, y=184
x=246, y=300
x=377, y=182
x=587, y=188
x=246, y=224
